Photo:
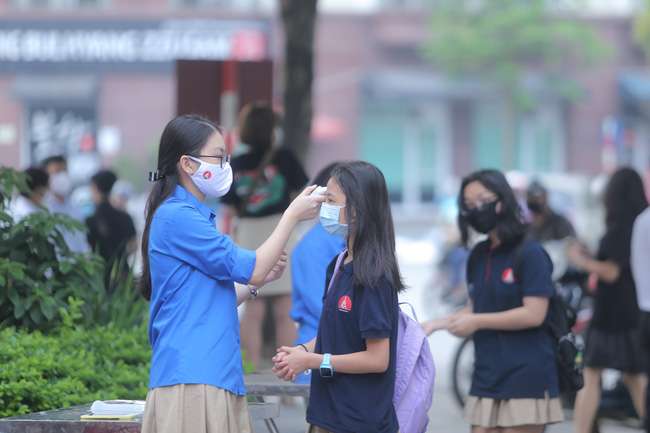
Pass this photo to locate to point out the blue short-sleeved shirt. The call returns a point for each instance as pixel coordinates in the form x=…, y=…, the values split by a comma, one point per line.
x=309, y=260
x=193, y=326
x=511, y=364
x=347, y=403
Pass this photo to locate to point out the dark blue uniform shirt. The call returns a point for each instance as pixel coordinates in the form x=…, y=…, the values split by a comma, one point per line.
x=511, y=364
x=347, y=403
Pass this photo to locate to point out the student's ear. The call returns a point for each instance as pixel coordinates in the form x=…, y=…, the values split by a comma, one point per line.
x=187, y=165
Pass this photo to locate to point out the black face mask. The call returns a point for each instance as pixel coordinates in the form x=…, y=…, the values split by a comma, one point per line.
x=483, y=218
x=535, y=207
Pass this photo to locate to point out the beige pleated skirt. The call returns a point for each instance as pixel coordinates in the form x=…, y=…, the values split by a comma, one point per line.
x=492, y=413
x=315, y=429
x=251, y=233
x=194, y=408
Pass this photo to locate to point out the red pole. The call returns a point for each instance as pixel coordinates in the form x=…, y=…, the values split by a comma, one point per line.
x=229, y=106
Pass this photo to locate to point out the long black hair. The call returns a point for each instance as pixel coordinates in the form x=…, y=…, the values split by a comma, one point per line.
x=510, y=220
x=624, y=197
x=183, y=135
x=372, y=224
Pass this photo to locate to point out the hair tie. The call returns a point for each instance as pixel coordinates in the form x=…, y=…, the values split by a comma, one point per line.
x=155, y=175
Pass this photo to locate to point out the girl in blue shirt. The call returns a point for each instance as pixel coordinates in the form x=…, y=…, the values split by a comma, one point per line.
x=514, y=384
x=189, y=273
x=354, y=353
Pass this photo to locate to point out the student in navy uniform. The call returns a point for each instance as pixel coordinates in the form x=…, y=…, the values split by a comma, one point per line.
x=514, y=384
x=353, y=356
x=309, y=260
x=196, y=381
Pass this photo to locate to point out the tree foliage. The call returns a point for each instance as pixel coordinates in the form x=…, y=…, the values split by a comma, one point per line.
x=500, y=41
x=641, y=29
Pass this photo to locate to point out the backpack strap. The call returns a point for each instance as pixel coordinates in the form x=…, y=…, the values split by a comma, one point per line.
x=518, y=256
x=415, y=316
x=336, y=268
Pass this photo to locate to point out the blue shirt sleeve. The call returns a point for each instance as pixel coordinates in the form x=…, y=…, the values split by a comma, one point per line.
x=375, y=311
x=536, y=269
x=195, y=239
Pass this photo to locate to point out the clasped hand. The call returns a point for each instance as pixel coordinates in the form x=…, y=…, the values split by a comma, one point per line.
x=289, y=362
x=462, y=325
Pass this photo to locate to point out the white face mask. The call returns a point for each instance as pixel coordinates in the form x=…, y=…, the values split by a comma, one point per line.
x=329, y=219
x=212, y=179
x=60, y=183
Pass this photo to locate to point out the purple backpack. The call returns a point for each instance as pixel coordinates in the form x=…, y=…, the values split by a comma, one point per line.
x=414, y=370
x=415, y=375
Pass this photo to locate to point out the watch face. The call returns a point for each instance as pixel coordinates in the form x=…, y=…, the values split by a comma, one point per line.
x=326, y=372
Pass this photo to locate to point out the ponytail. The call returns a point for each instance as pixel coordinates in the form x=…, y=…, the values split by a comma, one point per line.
x=183, y=135
x=162, y=189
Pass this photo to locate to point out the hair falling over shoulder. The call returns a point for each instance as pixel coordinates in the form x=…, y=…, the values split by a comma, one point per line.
x=370, y=223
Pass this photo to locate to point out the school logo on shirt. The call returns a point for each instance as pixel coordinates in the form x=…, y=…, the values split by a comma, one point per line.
x=207, y=175
x=508, y=276
x=345, y=304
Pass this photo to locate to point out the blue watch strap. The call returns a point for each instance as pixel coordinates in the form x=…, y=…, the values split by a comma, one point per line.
x=326, y=359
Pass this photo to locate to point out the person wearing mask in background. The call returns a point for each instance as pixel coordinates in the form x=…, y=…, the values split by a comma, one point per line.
x=111, y=232
x=59, y=201
x=640, y=262
x=309, y=261
x=545, y=224
x=514, y=382
x=121, y=194
x=28, y=203
x=265, y=179
x=613, y=339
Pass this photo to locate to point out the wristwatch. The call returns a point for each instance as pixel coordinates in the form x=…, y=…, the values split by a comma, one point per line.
x=326, y=369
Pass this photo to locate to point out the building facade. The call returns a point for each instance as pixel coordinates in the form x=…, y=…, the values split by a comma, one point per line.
x=95, y=80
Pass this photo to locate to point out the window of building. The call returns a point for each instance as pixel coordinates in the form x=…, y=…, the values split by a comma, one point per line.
x=410, y=145
x=539, y=138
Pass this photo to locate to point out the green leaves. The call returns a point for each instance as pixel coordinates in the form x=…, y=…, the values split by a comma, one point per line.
x=38, y=272
x=501, y=41
x=42, y=372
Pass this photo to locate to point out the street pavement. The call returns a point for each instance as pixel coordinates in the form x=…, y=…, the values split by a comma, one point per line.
x=417, y=256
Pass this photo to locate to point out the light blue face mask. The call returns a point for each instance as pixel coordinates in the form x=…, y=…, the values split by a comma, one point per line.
x=329, y=219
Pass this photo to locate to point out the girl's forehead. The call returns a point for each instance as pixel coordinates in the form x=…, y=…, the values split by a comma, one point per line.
x=476, y=189
x=215, y=145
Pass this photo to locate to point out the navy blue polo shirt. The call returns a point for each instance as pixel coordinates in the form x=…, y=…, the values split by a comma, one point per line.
x=193, y=324
x=347, y=403
x=511, y=364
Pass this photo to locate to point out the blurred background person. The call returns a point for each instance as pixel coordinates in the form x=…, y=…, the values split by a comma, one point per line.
x=265, y=179
x=309, y=259
x=59, y=201
x=640, y=262
x=545, y=224
x=28, y=203
x=121, y=193
x=613, y=339
x=111, y=232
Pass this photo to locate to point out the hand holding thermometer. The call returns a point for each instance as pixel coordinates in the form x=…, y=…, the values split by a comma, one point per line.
x=320, y=190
